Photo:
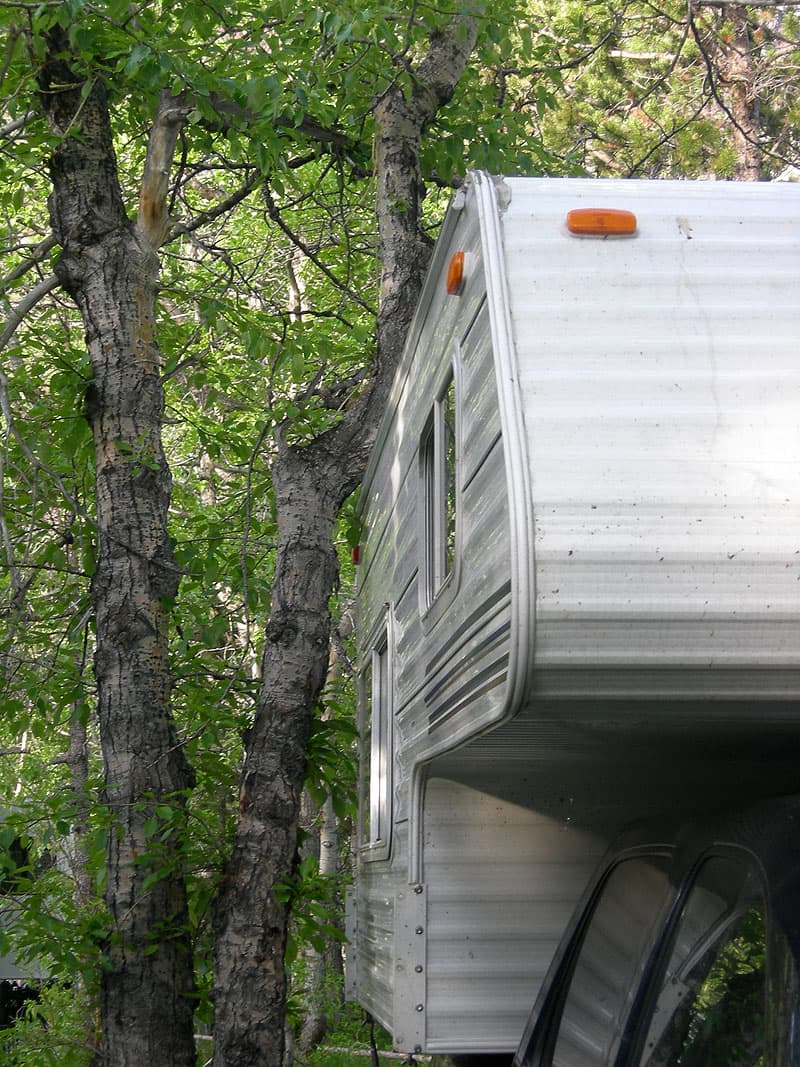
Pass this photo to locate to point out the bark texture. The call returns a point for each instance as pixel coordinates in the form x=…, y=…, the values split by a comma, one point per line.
x=325, y=964
x=109, y=267
x=738, y=73
x=727, y=49
x=250, y=918
x=310, y=485
x=322, y=827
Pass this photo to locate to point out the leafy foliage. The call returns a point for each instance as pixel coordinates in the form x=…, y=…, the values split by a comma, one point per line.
x=52, y=1032
x=645, y=90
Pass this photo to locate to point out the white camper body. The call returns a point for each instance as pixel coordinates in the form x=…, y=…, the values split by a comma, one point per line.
x=579, y=584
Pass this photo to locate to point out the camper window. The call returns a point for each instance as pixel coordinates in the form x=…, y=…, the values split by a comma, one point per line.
x=438, y=453
x=375, y=750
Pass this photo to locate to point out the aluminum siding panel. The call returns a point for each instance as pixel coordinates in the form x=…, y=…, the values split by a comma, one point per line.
x=440, y=657
x=661, y=387
x=502, y=881
x=457, y=683
x=388, y=504
x=482, y=416
x=375, y=920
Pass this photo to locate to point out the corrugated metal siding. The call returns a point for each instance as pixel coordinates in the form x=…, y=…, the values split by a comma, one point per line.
x=458, y=677
x=466, y=656
x=661, y=388
x=660, y=383
x=394, y=466
x=447, y=661
x=373, y=947
x=502, y=882
x=482, y=415
x=438, y=674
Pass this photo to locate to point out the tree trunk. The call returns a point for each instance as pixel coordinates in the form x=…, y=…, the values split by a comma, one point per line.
x=323, y=824
x=727, y=48
x=109, y=267
x=321, y=965
x=740, y=76
x=310, y=485
x=250, y=917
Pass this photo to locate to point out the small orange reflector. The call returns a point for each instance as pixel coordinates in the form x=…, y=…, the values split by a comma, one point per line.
x=455, y=274
x=601, y=222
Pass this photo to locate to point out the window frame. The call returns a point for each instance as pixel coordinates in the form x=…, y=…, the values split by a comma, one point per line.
x=766, y=834
x=638, y=975
x=440, y=493
x=541, y=1036
x=639, y=1019
x=376, y=744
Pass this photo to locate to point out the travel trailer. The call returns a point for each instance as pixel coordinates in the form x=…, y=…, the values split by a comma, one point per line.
x=579, y=581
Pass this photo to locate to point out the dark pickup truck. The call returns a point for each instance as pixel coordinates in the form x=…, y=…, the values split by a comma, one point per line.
x=684, y=951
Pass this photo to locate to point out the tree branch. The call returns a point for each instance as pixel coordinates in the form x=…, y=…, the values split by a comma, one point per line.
x=17, y=124
x=666, y=136
x=712, y=85
x=224, y=206
x=12, y=323
x=299, y=243
x=153, y=221
x=39, y=253
x=744, y=3
x=19, y=312
x=404, y=247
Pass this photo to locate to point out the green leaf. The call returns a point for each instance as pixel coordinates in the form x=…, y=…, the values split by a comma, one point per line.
x=140, y=53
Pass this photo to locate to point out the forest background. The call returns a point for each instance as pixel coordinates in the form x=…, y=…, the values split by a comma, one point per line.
x=216, y=221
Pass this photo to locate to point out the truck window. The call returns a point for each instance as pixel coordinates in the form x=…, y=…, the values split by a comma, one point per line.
x=710, y=1007
x=610, y=958
x=438, y=470
x=376, y=742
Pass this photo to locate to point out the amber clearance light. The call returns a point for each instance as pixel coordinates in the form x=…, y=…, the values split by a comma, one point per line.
x=455, y=274
x=601, y=222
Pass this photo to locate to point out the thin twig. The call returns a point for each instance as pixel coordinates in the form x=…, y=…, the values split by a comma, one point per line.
x=18, y=313
x=214, y=213
x=17, y=124
x=666, y=137
x=746, y=3
x=254, y=453
x=299, y=243
x=710, y=71
x=39, y=253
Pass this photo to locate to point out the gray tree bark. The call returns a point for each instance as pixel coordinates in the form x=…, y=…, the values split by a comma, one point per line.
x=109, y=267
x=729, y=59
x=738, y=73
x=310, y=485
x=323, y=824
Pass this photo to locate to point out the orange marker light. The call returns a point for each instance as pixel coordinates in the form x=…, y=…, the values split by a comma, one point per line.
x=601, y=222
x=455, y=274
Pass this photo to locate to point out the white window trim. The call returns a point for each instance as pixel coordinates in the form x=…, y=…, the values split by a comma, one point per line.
x=439, y=585
x=375, y=790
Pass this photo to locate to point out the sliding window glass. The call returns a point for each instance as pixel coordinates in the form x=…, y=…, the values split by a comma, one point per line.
x=376, y=750
x=438, y=469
